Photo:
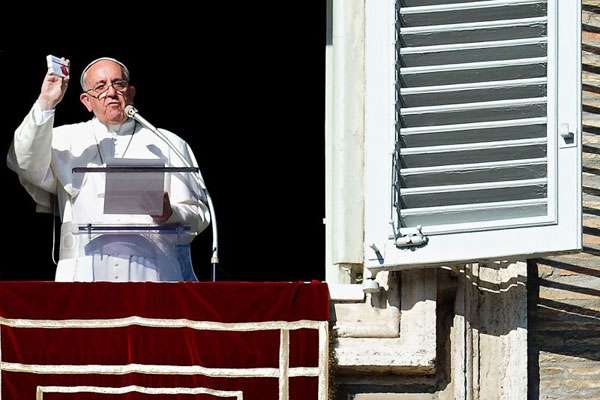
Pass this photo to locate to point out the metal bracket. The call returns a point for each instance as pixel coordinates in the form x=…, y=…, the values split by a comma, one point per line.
x=413, y=238
x=567, y=137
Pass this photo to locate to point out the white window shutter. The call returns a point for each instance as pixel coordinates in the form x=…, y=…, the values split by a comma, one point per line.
x=472, y=130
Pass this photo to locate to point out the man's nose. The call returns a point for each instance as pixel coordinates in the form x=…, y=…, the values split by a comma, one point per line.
x=111, y=92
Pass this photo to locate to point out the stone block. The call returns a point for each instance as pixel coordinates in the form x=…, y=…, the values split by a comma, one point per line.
x=394, y=396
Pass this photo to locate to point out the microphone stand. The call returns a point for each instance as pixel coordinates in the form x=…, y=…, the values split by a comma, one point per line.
x=132, y=112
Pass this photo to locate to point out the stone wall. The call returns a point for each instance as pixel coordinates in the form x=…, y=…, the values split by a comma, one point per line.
x=564, y=301
x=480, y=328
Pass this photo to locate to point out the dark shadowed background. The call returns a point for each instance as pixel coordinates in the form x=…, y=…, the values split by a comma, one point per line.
x=244, y=86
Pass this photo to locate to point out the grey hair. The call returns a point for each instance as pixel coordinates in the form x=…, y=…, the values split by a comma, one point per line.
x=85, y=70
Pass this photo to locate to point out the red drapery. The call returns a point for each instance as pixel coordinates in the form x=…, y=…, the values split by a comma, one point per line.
x=224, y=340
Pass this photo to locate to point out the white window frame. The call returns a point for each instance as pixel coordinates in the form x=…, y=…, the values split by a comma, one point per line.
x=558, y=232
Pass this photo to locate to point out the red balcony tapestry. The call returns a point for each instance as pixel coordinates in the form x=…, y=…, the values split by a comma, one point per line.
x=217, y=341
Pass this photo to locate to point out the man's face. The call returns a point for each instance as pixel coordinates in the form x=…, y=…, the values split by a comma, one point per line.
x=107, y=105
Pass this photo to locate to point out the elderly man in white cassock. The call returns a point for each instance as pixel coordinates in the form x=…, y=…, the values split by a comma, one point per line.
x=44, y=155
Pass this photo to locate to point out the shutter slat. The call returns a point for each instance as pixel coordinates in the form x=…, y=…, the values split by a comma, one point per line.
x=452, y=222
x=473, y=45
x=473, y=26
x=472, y=65
x=473, y=86
x=474, y=176
x=472, y=15
x=470, y=126
x=466, y=6
x=473, y=106
x=475, y=207
x=471, y=186
x=472, y=146
x=471, y=167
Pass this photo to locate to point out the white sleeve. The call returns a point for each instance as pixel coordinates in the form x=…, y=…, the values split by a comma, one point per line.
x=40, y=117
x=187, y=198
x=30, y=155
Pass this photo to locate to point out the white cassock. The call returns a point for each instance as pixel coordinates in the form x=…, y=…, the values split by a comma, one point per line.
x=43, y=156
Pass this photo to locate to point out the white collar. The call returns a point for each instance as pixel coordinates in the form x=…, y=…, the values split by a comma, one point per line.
x=126, y=128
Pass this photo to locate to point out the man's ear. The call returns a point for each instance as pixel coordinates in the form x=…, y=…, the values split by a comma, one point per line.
x=86, y=101
x=130, y=94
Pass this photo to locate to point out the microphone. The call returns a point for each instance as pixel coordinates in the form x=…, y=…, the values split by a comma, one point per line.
x=132, y=112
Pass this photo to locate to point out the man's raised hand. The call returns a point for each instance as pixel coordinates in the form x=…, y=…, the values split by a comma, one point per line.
x=53, y=90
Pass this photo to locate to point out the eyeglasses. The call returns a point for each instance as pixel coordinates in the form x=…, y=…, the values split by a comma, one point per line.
x=120, y=85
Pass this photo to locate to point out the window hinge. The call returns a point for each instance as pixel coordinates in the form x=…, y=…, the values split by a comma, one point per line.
x=413, y=237
x=567, y=136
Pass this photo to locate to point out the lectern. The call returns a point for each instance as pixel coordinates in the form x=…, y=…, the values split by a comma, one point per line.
x=113, y=217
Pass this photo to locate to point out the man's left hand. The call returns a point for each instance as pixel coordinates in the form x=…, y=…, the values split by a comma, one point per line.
x=167, y=211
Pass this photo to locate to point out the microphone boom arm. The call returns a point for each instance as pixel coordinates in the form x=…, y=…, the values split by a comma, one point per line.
x=132, y=112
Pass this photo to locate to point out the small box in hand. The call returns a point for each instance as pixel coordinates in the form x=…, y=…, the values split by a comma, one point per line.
x=58, y=66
